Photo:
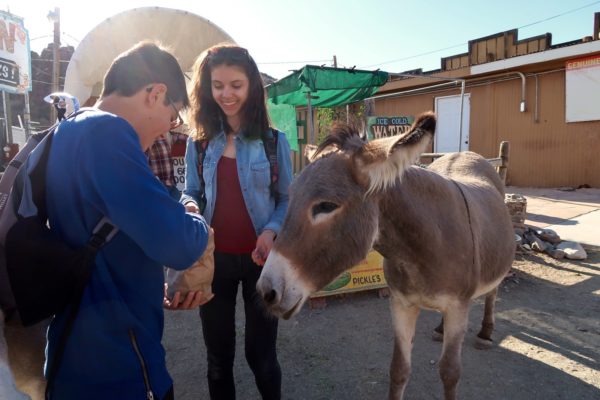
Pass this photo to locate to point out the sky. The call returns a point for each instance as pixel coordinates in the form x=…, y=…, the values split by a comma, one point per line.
x=282, y=35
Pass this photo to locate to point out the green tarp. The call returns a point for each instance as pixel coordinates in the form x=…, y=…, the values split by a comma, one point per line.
x=328, y=87
x=283, y=118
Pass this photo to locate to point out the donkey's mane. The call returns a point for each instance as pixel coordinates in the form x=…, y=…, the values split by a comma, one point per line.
x=343, y=137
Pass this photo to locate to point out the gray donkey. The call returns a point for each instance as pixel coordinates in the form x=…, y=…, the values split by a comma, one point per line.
x=444, y=232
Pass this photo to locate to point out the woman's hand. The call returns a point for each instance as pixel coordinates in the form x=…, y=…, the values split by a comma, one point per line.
x=264, y=243
x=191, y=207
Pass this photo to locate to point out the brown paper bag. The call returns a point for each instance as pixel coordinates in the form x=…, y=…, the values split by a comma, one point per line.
x=198, y=277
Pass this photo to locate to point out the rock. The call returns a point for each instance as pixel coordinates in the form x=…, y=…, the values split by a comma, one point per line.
x=518, y=239
x=556, y=253
x=548, y=235
x=573, y=250
x=537, y=244
x=520, y=231
x=525, y=247
x=540, y=248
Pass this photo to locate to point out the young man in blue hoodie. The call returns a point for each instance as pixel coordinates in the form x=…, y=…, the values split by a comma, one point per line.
x=97, y=168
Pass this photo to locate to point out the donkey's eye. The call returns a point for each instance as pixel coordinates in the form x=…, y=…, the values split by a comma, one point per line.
x=323, y=207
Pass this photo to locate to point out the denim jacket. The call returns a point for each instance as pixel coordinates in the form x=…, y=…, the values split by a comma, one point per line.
x=254, y=174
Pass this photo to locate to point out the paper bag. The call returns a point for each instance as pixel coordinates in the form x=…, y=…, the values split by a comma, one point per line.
x=197, y=277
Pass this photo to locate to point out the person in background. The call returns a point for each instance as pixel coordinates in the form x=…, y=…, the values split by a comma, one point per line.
x=60, y=105
x=161, y=158
x=97, y=168
x=234, y=191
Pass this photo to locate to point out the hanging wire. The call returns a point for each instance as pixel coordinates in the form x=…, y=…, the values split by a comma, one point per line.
x=462, y=44
x=293, y=62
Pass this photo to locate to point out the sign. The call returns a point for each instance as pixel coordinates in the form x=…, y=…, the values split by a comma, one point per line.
x=178, y=157
x=15, y=57
x=380, y=127
x=364, y=276
x=179, y=172
x=582, y=87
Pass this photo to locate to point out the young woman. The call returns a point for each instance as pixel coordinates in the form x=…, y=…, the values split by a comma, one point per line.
x=234, y=191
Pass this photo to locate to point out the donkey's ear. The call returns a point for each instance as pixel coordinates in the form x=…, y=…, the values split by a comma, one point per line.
x=381, y=162
x=310, y=152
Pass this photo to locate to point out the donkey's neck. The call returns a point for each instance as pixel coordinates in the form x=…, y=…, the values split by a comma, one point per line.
x=417, y=213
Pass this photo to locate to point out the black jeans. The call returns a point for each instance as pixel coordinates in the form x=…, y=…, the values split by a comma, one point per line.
x=218, y=327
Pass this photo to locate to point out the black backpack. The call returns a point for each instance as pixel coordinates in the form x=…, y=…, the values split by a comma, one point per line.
x=270, y=145
x=45, y=274
x=40, y=275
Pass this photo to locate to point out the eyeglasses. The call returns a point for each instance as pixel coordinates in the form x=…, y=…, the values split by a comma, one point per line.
x=178, y=121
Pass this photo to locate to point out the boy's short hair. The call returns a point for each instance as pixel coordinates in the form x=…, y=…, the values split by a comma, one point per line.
x=143, y=64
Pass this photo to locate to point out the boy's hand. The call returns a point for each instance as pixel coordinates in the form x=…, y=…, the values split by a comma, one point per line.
x=192, y=300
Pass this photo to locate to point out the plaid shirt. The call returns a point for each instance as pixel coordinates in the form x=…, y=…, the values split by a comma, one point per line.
x=159, y=158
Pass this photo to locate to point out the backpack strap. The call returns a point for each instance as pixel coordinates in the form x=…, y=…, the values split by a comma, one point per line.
x=271, y=153
x=102, y=233
x=10, y=174
x=201, y=147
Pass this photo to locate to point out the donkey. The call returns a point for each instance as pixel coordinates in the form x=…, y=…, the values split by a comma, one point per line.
x=8, y=387
x=444, y=232
x=22, y=354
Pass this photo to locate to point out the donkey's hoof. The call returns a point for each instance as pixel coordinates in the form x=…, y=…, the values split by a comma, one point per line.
x=483, y=344
x=437, y=336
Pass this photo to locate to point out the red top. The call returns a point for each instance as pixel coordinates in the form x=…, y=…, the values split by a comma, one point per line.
x=234, y=232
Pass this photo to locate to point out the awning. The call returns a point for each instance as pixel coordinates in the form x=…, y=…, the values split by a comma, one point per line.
x=328, y=87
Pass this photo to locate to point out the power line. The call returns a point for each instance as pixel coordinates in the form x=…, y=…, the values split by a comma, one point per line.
x=46, y=59
x=40, y=71
x=71, y=36
x=462, y=44
x=62, y=34
x=48, y=83
x=293, y=62
x=559, y=15
x=414, y=56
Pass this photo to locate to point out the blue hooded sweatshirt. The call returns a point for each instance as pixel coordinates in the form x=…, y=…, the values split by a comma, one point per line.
x=97, y=168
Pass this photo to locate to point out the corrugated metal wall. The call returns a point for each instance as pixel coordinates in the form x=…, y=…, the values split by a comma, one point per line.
x=546, y=153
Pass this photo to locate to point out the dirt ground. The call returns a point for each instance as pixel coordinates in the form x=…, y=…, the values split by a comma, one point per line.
x=547, y=343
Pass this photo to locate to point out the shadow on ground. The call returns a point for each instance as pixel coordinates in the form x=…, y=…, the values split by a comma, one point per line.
x=547, y=338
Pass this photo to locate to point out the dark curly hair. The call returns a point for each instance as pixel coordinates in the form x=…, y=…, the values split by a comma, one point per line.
x=206, y=116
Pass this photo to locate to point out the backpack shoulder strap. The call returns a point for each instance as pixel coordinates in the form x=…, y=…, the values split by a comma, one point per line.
x=271, y=152
x=103, y=232
x=201, y=147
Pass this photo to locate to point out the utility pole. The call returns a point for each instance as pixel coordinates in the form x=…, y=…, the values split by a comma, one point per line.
x=54, y=16
x=27, y=116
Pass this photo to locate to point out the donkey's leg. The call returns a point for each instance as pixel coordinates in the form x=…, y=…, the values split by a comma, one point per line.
x=484, y=337
x=404, y=319
x=438, y=332
x=455, y=324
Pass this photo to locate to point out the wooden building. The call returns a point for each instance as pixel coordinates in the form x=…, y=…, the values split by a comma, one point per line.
x=542, y=98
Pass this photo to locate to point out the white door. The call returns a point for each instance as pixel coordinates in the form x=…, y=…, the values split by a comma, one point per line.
x=447, y=133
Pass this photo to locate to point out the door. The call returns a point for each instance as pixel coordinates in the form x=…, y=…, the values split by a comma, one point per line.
x=447, y=134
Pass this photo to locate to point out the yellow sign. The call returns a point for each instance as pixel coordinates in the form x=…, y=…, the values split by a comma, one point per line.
x=366, y=275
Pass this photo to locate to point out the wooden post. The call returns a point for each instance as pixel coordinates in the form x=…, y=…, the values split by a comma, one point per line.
x=503, y=154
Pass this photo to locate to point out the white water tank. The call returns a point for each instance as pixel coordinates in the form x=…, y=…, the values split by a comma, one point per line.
x=185, y=34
